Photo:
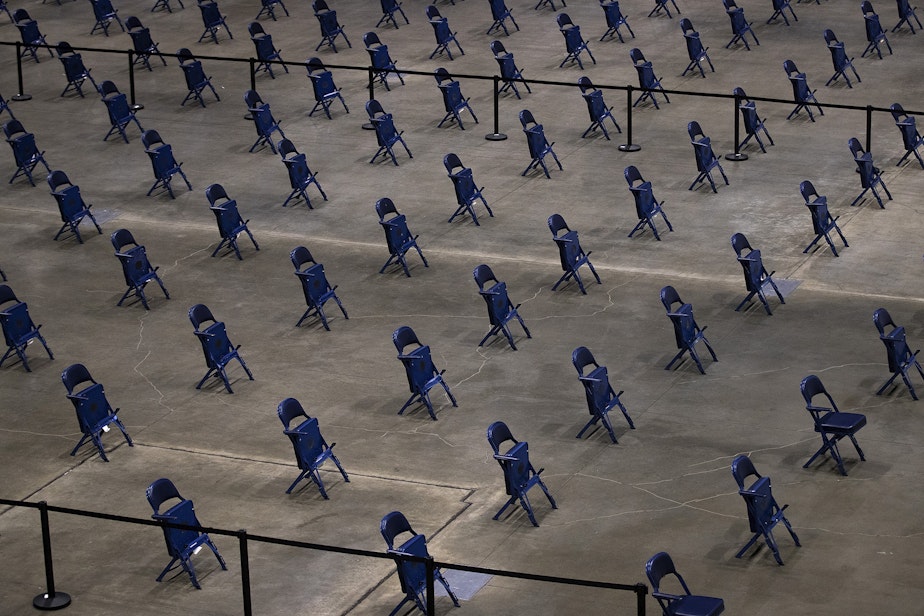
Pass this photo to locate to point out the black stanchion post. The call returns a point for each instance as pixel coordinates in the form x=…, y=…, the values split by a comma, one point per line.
x=641, y=591
x=371, y=76
x=245, y=572
x=737, y=155
x=869, y=127
x=20, y=96
x=253, y=73
x=431, y=591
x=131, y=81
x=629, y=146
x=51, y=599
x=496, y=135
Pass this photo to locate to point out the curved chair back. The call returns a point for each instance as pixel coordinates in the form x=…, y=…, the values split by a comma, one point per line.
x=370, y=39
x=742, y=468
x=199, y=314
x=633, y=175
x=483, y=275
x=385, y=206
x=790, y=67
x=121, y=238
x=557, y=223
x=289, y=409
x=882, y=319
x=392, y=525
x=497, y=48
x=160, y=491
x=636, y=55
x=669, y=297
x=498, y=433
x=74, y=375
x=215, y=192
x=374, y=108
x=403, y=336
x=581, y=357
x=740, y=243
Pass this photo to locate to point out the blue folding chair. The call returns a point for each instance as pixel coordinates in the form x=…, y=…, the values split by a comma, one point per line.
x=706, y=160
x=164, y=5
x=216, y=347
x=120, y=112
x=330, y=26
x=411, y=574
x=182, y=543
x=144, y=46
x=105, y=14
x=802, y=94
x=509, y=71
x=597, y=109
x=911, y=137
x=196, y=79
x=94, y=413
x=267, y=54
x=164, y=165
x=739, y=25
x=398, y=237
x=500, y=13
x=661, y=566
x=311, y=449
x=230, y=223
x=779, y=10
x=519, y=473
x=74, y=70
x=870, y=176
x=686, y=331
x=763, y=511
x=315, y=285
x=263, y=121
x=300, y=175
x=443, y=33
x=614, y=19
x=646, y=205
x=575, y=44
x=661, y=5
x=72, y=207
x=422, y=373
x=5, y=106
x=695, y=50
x=570, y=253
x=875, y=35
x=19, y=330
x=213, y=20
x=600, y=395
x=323, y=86
x=648, y=82
x=380, y=59
x=839, y=59
x=385, y=132
x=830, y=423
x=753, y=124
x=539, y=146
x=30, y=34
x=268, y=8
x=500, y=309
x=756, y=276
x=136, y=268
x=822, y=221
x=453, y=100
x=901, y=359
x=467, y=192
x=389, y=8
x=25, y=153
x=905, y=14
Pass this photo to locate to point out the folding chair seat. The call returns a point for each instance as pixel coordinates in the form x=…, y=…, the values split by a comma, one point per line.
x=72, y=207
x=322, y=84
x=389, y=8
x=539, y=146
x=802, y=94
x=600, y=395
x=182, y=543
x=911, y=137
x=397, y=235
x=661, y=5
x=695, y=49
x=105, y=14
x=443, y=33
x=519, y=473
x=120, y=112
x=648, y=82
x=830, y=423
x=875, y=35
x=268, y=8
x=453, y=101
x=385, y=132
x=380, y=59
x=164, y=165
x=5, y=106
x=136, y=268
x=508, y=69
x=597, y=109
x=839, y=59
x=422, y=374
x=739, y=25
x=686, y=331
x=901, y=359
x=300, y=175
x=19, y=330
x=266, y=51
x=196, y=79
x=570, y=253
x=659, y=567
x=230, y=223
x=500, y=309
x=263, y=121
x=822, y=221
x=315, y=285
x=212, y=19
x=30, y=34
x=25, y=153
x=164, y=5
x=646, y=205
x=551, y=4
x=500, y=13
x=614, y=19
x=311, y=449
x=706, y=160
x=763, y=511
x=412, y=575
x=756, y=276
x=870, y=176
x=74, y=69
x=143, y=44
x=753, y=124
x=94, y=413
x=330, y=27
x=216, y=347
x=905, y=14
x=574, y=42
x=467, y=192
x=779, y=10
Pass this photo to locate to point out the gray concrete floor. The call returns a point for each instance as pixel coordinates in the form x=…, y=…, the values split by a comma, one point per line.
x=665, y=486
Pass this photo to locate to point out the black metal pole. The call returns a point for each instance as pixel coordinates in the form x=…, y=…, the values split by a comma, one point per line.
x=737, y=155
x=20, y=96
x=640, y=593
x=50, y=600
x=371, y=85
x=431, y=591
x=629, y=146
x=245, y=572
x=253, y=73
x=869, y=127
x=496, y=135
x=131, y=81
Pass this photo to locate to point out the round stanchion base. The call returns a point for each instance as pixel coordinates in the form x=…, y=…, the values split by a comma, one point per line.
x=136, y=107
x=629, y=147
x=368, y=126
x=48, y=602
x=21, y=97
x=496, y=137
x=736, y=156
